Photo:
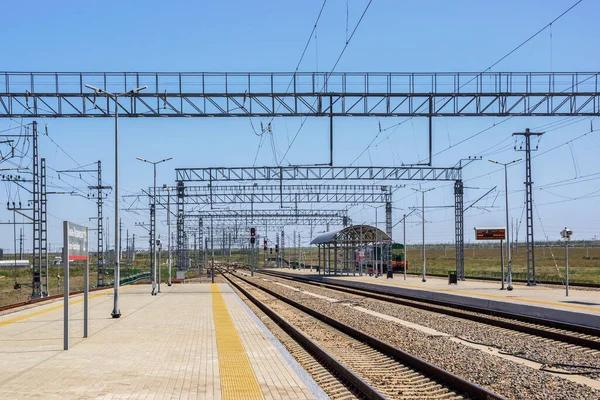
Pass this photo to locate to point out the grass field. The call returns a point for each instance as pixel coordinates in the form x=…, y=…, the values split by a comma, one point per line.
x=584, y=264
x=584, y=267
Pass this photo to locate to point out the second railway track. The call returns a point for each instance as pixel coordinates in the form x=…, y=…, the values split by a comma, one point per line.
x=584, y=337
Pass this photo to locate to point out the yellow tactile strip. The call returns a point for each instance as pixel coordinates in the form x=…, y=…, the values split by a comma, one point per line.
x=238, y=380
x=49, y=309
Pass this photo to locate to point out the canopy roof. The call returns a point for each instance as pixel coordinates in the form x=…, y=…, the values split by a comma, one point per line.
x=352, y=235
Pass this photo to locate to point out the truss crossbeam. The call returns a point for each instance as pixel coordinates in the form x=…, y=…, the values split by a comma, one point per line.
x=200, y=94
x=317, y=173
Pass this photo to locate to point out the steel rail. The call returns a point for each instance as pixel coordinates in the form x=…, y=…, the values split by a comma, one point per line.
x=449, y=379
x=435, y=306
x=331, y=364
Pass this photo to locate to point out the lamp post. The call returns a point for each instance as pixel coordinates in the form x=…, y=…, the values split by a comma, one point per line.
x=116, y=313
x=423, y=223
x=165, y=186
x=566, y=235
x=508, y=257
x=153, y=236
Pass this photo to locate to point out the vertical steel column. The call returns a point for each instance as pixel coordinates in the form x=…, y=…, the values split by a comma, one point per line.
x=388, y=230
x=101, y=261
x=277, y=258
x=459, y=232
x=120, y=252
x=43, y=225
x=181, y=266
x=529, y=213
x=152, y=242
x=195, y=238
x=201, y=243
x=283, y=247
x=36, y=283
x=531, y=279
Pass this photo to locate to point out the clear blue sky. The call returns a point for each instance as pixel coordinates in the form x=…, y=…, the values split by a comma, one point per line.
x=410, y=36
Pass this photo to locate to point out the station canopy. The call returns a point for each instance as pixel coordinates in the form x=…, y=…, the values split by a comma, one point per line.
x=352, y=235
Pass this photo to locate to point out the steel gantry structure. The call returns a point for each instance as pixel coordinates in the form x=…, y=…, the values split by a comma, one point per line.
x=278, y=194
x=267, y=94
x=285, y=195
x=318, y=173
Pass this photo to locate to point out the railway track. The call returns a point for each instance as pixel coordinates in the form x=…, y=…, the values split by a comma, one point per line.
x=363, y=364
x=584, y=337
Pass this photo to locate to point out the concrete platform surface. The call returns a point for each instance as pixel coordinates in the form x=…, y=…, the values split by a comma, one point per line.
x=190, y=341
x=580, y=307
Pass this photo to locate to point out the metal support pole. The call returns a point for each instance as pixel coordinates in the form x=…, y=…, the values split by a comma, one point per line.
x=423, y=222
x=531, y=278
x=65, y=286
x=116, y=312
x=153, y=236
x=502, y=263
x=86, y=290
x=169, y=232
x=509, y=259
x=212, y=253
x=331, y=131
x=158, y=278
x=567, y=266
x=405, y=252
x=430, y=130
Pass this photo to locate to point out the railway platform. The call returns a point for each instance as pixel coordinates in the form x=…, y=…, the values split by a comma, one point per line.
x=581, y=307
x=192, y=340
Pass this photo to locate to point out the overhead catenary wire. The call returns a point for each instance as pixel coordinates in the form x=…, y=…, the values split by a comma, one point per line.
x=330, y=73
x=508, y=54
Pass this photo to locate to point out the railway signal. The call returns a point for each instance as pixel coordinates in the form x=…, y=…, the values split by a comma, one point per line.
x=265, y=244
x=252, y=235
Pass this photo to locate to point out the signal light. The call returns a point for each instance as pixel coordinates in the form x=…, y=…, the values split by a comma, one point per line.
x=252, y=235
x=276, y=248
x=265, y=244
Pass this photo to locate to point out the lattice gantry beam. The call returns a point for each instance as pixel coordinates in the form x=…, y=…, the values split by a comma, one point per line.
x=318, y=173
x=273, y=217
x=280, y=194
x=274, y=194
x=199, y=94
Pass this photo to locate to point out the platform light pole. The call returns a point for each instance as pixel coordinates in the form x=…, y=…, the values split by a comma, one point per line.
x=566, y=235
x=116, y=313
x=423, y=222
x=165, y=186
x=153, y=238
x=508, y=257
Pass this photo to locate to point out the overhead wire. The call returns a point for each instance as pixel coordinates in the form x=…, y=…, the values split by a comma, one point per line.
x=489, y=68
x=329, y=74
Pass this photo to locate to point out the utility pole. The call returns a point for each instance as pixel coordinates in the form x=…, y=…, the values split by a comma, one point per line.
x=212, y=252
x=508, y=255
x=423, y=223
x=128, y=250
x=165, y=186
x=21, y=245
x=531, y=280
x=404, y=239
x=120, y=239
